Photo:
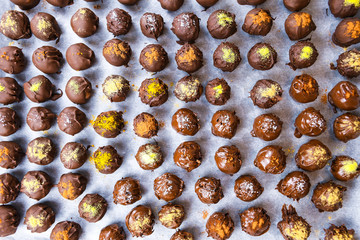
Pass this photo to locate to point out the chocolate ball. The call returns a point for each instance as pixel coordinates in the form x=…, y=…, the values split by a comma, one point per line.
x=45, y=27
x=347, y=127
x=302, y=54
x=112, y=232
x=47, y=59
x=60, y=3
x=312, y=156
x=26, y=4
x=40, y=89
x=9, y=220
x=207, y=3
x=189, y=58
x=116, y=88
x=9, y=188
x=118, y=22
x=185, y=122
x=347, y=63
x=262, y=56
x=80, y=57
x=71, y=185
x=220, y=226
x=295, y=5
x=255, y=221
x=209, y=190
x=221, y=24
x=128, y=2
x=171, y=5
x=304, y=89
x=309, y=122
x=152, y=25
x=247, y=188
x=186, y=27
x=140, y=221
x=267, y=127
x=343, y=9
x=36, y=184
x=171, y=215
x=40, y=118
x=298, y=25
x=10, y=154
x=228, y=159
x=339, y=232
x=109, y=124
x=92, y=207
x=9, y=121
x=127, y=191
x=271, y=159
x=66, y=230
x=84, y=22
x=347, y=32
x=217, y=91
x=106, y=159
x=182, y=235
x=188, y=89
x=15, y=25
x=328, y=196
x=39, y=218
x=73, y=155
x=41, y=151
x=266, y=93
x=295, y=185
x=345, y=168
x=188, y=155
x=345, y=96
x=153, y=58
x=78, y=90
x=224, y=124
x=117, y=52
x=145, y=125
x=12, y=60
x=257, y=22
x=168, y=187
x=149, y=156
x=226, y=57
x=251, y=2
x=292, y=226
x=10, y=90
x=71, y=120
x=153, y=92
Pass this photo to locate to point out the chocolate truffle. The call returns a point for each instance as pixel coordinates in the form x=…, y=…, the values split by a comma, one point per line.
x=10, y=154
x=168, y=187
x=295, y=185
x=153, y=92
x=328, y=196
x=309, y=122
x=347, y=127
x=209, y=190
x=10, y=91
x=36, y=184
x=344, y=8
x=302, y=54
x=40, y=118
x=73, y=155
x=295, y=5
x=257, y=22
x=345, y=168
x=262, y=56
x=12, y=60
x=224, y=124
x=41, y=151
x=171, y=215
x=92, y=207
x=221, y=24
x=127, y=191
x=292, y=226
x=40, y=89
x=145, y=125
x=189, y=58
x=149, y=156
x=84, y=22
x=271, y=159
x=9, y=220
x=312, y=156
x=9, y=122
x=152, y=25
x=118, y=22
x=112, y=232
x=140, y=221
x=186, y=27
x=188, y=89
x=220, y=226
x=9, y=188
x=71, y=185
x=66, y=230
x=298, y=25
x=348, y=63
x=226, y=57
x=26, y=4
x=39, y=218
x=106, y=159
x=128, y=2
x=79, y=56
x=339, y=232
x=266, y=93
x=47, y=59
x=304, y=89
x=116, y=88
x=217, y=91
x=78, y=90
x=347, y=32
x=185, y=122
x=171, y=5
x=267, y=127
x=15, y=25
x=250, y=2
x=117, y=52
x=109, y=124
x=255, y=221
x=188, y=155
x=247, y=188
x=45, y=27
x=345, y=96
x=228, y=159
x=153, y=58
x=60, y=3
x=207, y=3
x=182, y=235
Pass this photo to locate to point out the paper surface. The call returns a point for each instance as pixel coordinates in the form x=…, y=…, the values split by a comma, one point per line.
x=241, y=81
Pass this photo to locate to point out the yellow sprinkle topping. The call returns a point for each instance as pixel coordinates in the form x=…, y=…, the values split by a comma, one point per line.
x=93, y=210
x=356, y=3
x=353, y=60
x=349, y=166
x=270, y=92
x=102, y=160
x=228, y=55
x=36, y=86
x=264, y=52
x=189, y=89
x=71, y=155
x=141, y=223
x=9, y=22
x=74, y=86
x=39, y=150
x=154, y=89
x=107, y=122
x=298, y=231
x=224, y=19
x=218, y=90
x=113, y=86
x=306, y=52
x=331, y=196
x=42, y=25
x=171, y=216
x=31, y=186
x=37, y=221
x=2, y=88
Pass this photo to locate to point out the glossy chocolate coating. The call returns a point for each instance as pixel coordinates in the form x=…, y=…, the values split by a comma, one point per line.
x=72, y=185
x=292, y=226
x=228, y=159
x=346, y=127
x=140, y=214
x=47, y=59
x=109, y=124
x=79, y=56
x=309, y=122
x=226, y=57
x=92, y=207
x=339, y=232
x=304, y=89
x=26, y=4
x=128, y=2
x=299, y=25
x=185, y=122
x=15, y=25
x=262, y=56
x=10, y=154
x=267, y=127
x=171, y=5
x=258, y=22
x=224, y=124
x=40, y=89
x=221, y=24
x=220, y=226
x=116, y=88
x=168, y=187
x=255, y=221
x=328, y=196
x=40, y=118
x=12, y=60
x=302, y=54
x=127, y=191
x=41, y=151
x=182, y=235
x=188, y=89
x=9, y=121
x=60, y=3
x=153, y=58
x=78, y=90
x=348, y=63
x=188, y=155
x=345, y=168
x=112, y=232
x=207, y=3
x=345, y=96
x=189, y=58
x=186, y=27
x=251, y=2
x=209, y=190
x=217, y=91
x=9, y=220
x=247, y=188
x=312, y=156
x=45, y=27
x=71, y=120
x=117, y=52
x=84, y=22
x=149, y=156
x=271, y=159
x=106, y=159
x=171, y=215
x=10, y=90
x=153, y=92
x=36, y=184
x=66, y=230
x=146, y=125
x=343, y=8
x=9, y=188
x=295, y=185
x=295, y=5
x=39, y=218
x=347, y=32
x=152, y=25
x=118, y=22
x=266, y=93
x=73, y=155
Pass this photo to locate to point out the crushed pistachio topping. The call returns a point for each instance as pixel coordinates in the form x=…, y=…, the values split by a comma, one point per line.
x=264, y=52
x=228, y=55
x=297, y=231
x=306, y=52
x=155, y=89
x=36, y=221
x=356, y=3
x=2, y=87
x=93, y=210
x=39, y=150
x=32, y=185
x=36, y=86
x=218, y=90
x=102, y=160
x=224, y=19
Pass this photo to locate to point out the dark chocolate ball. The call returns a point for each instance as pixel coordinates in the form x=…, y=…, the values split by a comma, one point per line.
x=26, y=4
x=106, y=159
x=188, y=155
x=109, y=124
x=343, y=8
x=79, y=56
x=345, y=96
x=302, y=54
x=112, y=232
x=255, y=221
x=10, y=154
x=328, y=196
x=118, y=22
x=185, y=122
x=41, y=151
x=209, y=190
x=9, y=220
x=346, y=127
x=128, y=2
x=251, y=2
x=228, y=159
x=309, y=122
x=84, y=22
x=149, y=156
x=66, y=230
x=304, y=89
x=266, y=93
x=188, y=89
x=9, y=121
x=92, y=207
x=47, y=59
x=45, y=27
x=168, y=187
x=295, y=5
x=348, y=63
x=220, y=226
x=40, y=118
x=15, y=25
x=153, y=58
x=71, y=185
x=271, y=159
x=153, y=92
x=182, y=235
x=36, y=184
x=116, y=88
x=127, y=191
x=9, y=188
x=312, y=156
x=226, y=57
x=171, y=5
x=221, y=24
x=224, y=124
x=345, y=168
x=12, y=60
x=299, y=25
x=117, y=52
x=145, y=125
x=347, y=32
x=257, y=22
x=39, y=218
x=40, y=89
x=186, y=27
x=73, y=155
x=10, y=90
x=71, y=120
x=295, y=185
x=152, y=25
x=262, y=56
x=267, y=127
x=140, y=221
x=171, y=215
x=189, y=58
x=339, y=232
x=207, y=3
x=60, y=3
x=78, y=90
x=292, y=226
x=247, y=188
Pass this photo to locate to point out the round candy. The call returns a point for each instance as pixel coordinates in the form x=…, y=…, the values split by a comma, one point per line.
x=328, y=196
x=45, y=27
x=41, y=151
x=26, y=4
x=186, y=27
x=73, y=155
x=153, y=58
x=145, y=125
x=40, y=118
x=228, y=159
x=47, y=59
x=92, y=207
x=302, y=54
x=171, y=5
x=109, y=124
x=312, y=156
x=262, y=56
x=188, y=89
x=106, y=159
x=9, y=122
x=295, y=185
x=84, y=22
x=10, y=90
x=118, y=22
x=182, y=235
x=116, y=88
x=15, y=25
x=117, y=52
x=304, y=89
x=224, y=124
x=345, y=168
x=10, y=154
x=9, y=220
x=226, y=57
x=78, y=90
x=309, y=122
x=149, y=156
x=295, y=5
x=39, y=218
x=347, y=63
x=257, y=22
x=12, y=60
x=188, y=155
x=299, y=25
x=127, y=191
x=220, y=226
x=79, y=56
x=347, y=127
x=40, y=89
x=128, y=2
x=66, y=229
x=217, y=92
x=153, y=92
x=340, y=232
x=271, y=159
x=71, y=185
x=266, y=93
x=209, y=190
x=292, y=224
x=140, y=221
x=207, y=3
x=347, y=32
x=221, y=24
x=255, y=221
x=60, y=3
x=112, y=232
x=185, y=122
x=267, y=127
x=250, y=2
x=152, y=25
x=344, y=8
x=71, y=120
x=247, y=188
x=36, y=184
x=168, y=187
x=9, y=188
x=189, y=58
x=171, y=215
x=345, y=96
